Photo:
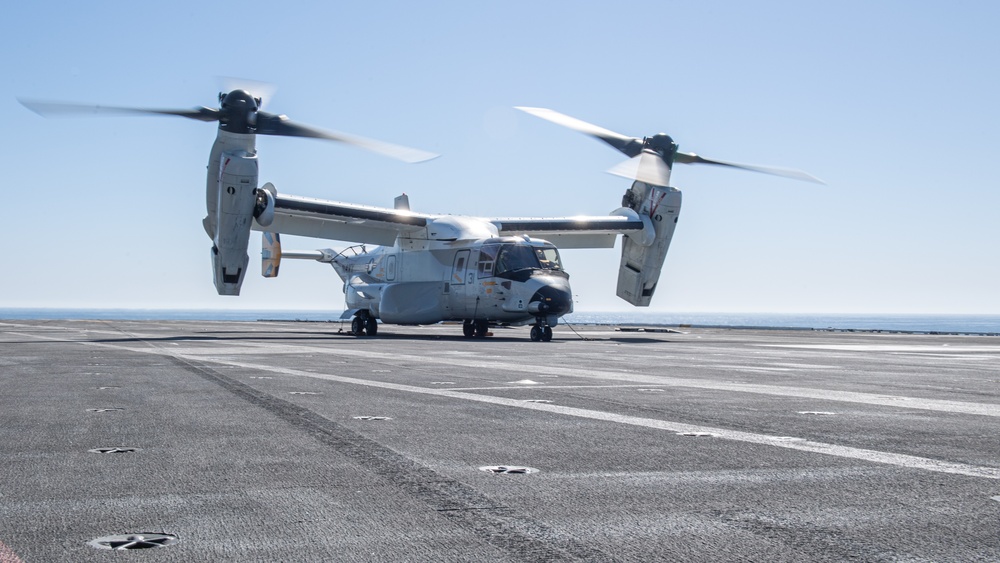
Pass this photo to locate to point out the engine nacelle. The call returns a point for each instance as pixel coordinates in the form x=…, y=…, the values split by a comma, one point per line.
x=642, y=256
x=234, y=216
x=263, y=210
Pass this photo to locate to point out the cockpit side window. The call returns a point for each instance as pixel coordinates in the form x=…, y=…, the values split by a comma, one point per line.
x=487, y=254
x=548, y=258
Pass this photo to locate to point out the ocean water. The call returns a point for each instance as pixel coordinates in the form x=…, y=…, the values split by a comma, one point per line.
x=978, y=324
x=966, y=324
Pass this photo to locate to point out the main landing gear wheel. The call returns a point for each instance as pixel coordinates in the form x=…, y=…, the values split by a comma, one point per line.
x=371, y=326
x=542, y=333
x=481, y=328
x=475, y=329
x=358, y=326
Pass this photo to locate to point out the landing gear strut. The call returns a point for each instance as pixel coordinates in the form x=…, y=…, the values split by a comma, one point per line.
x=540, y=331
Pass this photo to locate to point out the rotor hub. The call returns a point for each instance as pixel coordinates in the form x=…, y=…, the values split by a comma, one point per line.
x=661, y=143
x=239, y=98
x=239, y=111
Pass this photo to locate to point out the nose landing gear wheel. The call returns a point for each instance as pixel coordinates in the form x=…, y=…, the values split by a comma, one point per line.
x=542, y=333
x=371, y=326
x=468, y=329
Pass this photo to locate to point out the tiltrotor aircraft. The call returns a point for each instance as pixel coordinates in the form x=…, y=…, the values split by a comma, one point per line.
x=429, y=268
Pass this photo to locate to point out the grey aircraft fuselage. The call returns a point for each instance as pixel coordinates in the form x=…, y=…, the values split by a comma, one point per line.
x=512, y=280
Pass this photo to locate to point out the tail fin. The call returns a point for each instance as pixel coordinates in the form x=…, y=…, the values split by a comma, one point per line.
x=402, y=202
x=270, y=254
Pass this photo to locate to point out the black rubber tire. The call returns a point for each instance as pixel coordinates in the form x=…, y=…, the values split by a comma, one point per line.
x=536, y=333
x=371, y=326
x=358, y=326
x=482, y=327
x=546, y=334
x=468, y=329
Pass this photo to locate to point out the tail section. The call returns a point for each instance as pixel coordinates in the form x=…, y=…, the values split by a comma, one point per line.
x=270, y=254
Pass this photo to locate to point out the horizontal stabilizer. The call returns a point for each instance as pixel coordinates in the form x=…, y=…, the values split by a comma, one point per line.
x=271, y=254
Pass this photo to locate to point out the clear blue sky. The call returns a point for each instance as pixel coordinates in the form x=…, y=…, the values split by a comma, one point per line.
x=893, y=104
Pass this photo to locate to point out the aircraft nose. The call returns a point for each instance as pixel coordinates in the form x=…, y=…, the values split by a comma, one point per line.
x=552, y=299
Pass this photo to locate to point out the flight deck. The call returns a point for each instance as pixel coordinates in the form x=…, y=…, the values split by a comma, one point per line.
x=293, y=441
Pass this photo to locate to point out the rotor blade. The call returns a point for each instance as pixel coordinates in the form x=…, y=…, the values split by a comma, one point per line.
x=270, y=124
x=628, y=145
x=692, y=158
x=646, y=167
x=60, y=109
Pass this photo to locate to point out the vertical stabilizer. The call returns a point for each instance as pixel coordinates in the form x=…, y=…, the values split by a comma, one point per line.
x=402, y=202
x=270, y=254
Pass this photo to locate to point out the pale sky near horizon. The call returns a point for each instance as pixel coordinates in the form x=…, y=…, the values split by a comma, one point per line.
x=893, y=104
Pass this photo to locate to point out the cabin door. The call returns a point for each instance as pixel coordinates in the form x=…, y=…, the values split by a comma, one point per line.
x=462, y=283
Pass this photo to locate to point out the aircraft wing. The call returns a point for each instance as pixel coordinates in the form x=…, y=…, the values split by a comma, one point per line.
x=333, y=220
x=574, y=232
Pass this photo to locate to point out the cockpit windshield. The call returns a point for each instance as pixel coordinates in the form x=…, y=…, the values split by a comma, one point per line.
x=513, y=257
